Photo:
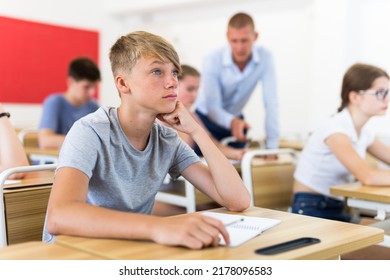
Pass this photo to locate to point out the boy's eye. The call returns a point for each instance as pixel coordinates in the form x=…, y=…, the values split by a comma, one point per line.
x=157, y=72
x=175, y=73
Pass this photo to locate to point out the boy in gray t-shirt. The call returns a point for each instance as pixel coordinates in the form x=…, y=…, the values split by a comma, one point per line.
x=113, y=161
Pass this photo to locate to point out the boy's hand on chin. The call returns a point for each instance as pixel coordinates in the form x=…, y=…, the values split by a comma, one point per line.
x=179, y=119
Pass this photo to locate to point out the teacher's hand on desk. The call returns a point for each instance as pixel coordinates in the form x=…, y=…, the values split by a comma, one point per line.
x=194, y=231
x=238, y=126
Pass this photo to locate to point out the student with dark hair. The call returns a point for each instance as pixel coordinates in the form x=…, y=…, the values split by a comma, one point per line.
x=11, y=150
x=61, y=110
x=336, y=151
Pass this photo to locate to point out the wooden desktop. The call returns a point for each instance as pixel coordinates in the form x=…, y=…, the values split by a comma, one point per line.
x=336, y=238
x=373, y=198
x=25, y=205
x=36, y=250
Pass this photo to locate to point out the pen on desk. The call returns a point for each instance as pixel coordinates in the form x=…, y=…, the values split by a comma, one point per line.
x=234, y=222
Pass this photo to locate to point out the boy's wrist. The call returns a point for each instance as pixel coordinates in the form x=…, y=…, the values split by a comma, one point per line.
x=156, y=226
x=199, y=134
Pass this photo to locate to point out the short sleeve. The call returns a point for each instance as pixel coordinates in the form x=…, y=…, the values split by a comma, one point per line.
x=341, y=123
x=328, y=131
x=183, y=158
x=94, y=106
x=80, y=149
x=50, y=113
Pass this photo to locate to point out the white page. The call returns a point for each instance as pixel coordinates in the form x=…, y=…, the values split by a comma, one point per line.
x=242, y=228
x=226, y=219
x=9, y=182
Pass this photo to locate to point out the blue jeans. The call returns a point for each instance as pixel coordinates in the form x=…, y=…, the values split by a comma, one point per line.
x=217, y=131
x=320, y=206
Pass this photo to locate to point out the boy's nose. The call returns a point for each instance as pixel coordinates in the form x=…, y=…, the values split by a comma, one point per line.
x=171, y=81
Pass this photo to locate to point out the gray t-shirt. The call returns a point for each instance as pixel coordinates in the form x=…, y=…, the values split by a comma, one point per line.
x=121, y=177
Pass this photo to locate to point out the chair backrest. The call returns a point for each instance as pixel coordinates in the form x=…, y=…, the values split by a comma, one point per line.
x=3, y=177
x=277, y=173
x=29, y=137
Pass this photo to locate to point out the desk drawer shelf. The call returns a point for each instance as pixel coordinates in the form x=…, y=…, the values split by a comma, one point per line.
x=25, y=211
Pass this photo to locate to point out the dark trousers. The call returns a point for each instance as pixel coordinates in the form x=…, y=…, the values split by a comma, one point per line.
x=217, y=131
x=320, y=206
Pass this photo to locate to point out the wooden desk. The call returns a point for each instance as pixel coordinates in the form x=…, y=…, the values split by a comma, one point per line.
x=38, y=151
x=293, y=144
x=259, y=162
x=372, y=193
x=35, y=154
x=376, y=198
x=43, y=251
x=336, y=238
x=32, y=179
x=25, y=205
x=272, y=182
x=38, y=156
x=28, y=136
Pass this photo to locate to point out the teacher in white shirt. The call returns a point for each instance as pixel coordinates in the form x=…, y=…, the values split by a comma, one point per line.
x=229, y=77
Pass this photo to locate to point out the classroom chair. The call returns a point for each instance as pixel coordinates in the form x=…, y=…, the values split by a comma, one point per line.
x=177, y=195
x=269, y=178
x=29, y=139
x=32, y=210
x=173, y=192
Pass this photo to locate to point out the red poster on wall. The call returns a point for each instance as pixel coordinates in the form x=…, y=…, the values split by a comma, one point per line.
x=34, y=58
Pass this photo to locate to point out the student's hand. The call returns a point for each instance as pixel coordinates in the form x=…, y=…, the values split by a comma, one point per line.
x=180, y=119
x=233, y=153
x=16, y=176
x=195, y=231
x=238, y=126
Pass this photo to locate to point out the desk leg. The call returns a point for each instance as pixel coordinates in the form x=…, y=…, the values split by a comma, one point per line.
x=385, y=225
x=381, y=208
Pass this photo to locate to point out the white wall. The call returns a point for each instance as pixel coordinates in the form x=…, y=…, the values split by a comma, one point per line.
x=283, y=27
x=313, y=41
x=369, y=42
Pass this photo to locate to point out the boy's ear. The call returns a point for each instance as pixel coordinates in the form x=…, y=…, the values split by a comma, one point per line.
x=70, y=81
x=122, y=84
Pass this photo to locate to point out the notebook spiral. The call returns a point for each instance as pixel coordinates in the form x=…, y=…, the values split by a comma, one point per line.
x=245, y=226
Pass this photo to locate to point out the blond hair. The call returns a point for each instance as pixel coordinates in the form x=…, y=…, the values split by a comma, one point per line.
x=241, y=20
x=128, y=49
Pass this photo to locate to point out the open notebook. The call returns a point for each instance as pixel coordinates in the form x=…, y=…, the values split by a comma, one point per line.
x=242, y=228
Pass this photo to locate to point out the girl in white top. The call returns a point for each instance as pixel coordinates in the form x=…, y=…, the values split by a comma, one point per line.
x=335, y=152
